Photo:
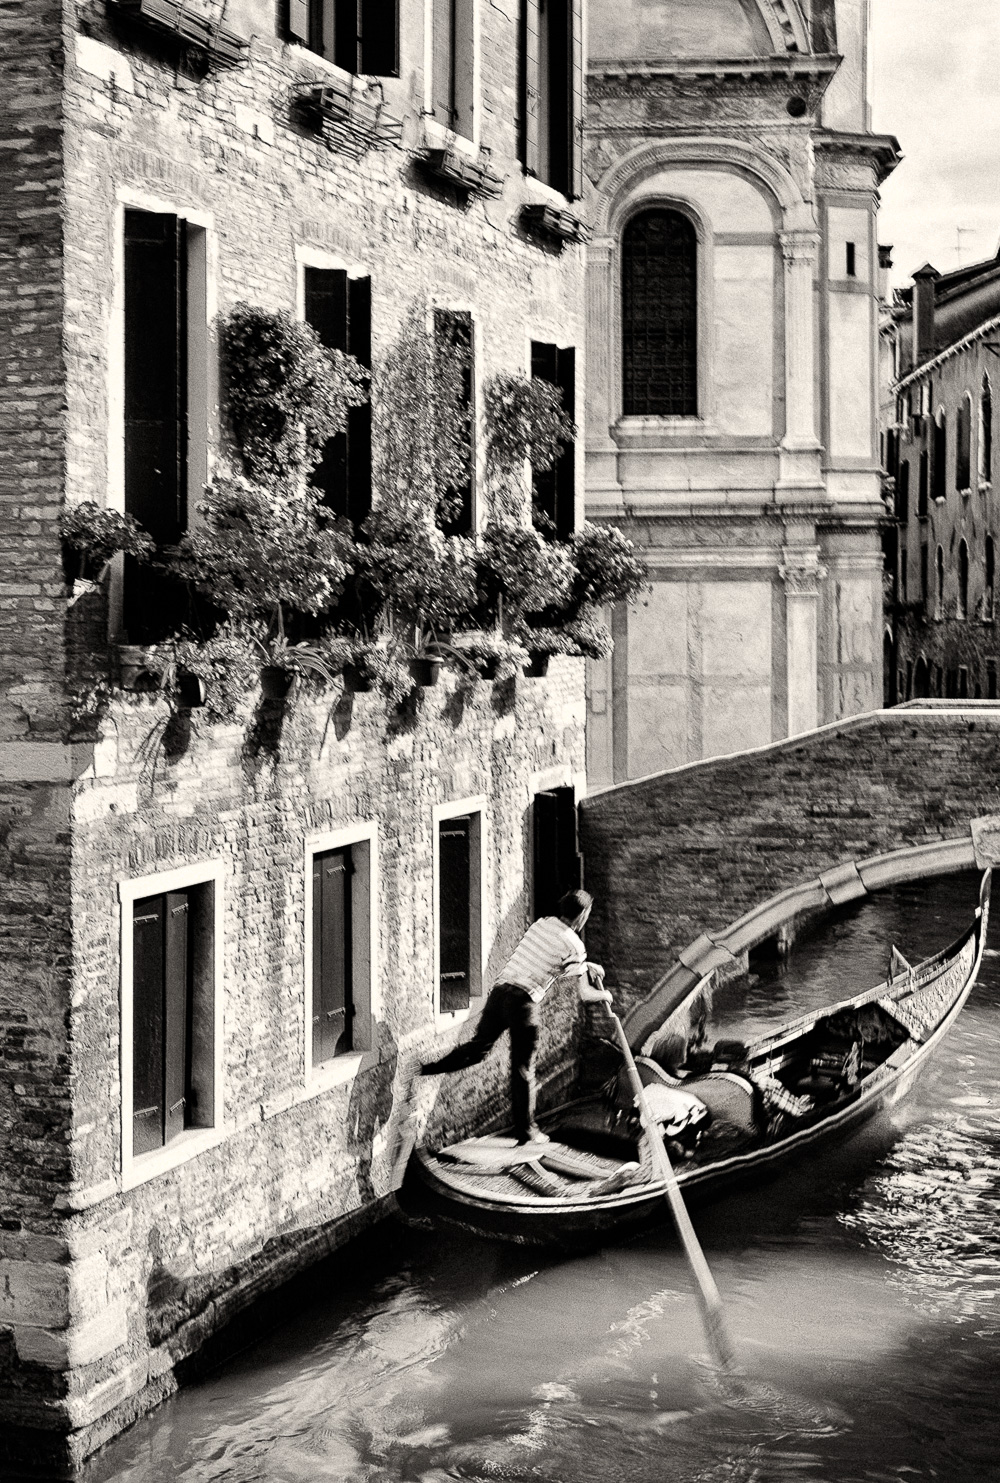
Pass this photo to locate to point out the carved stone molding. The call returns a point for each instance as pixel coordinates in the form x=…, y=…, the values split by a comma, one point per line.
x=799, y=246
x=801, y=571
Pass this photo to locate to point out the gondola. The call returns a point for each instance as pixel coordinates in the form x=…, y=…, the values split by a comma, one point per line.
x=734, y=1115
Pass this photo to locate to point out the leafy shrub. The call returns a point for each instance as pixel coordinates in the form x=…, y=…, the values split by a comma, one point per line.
x=97, y=534
x=608, y=568
x=525, y=419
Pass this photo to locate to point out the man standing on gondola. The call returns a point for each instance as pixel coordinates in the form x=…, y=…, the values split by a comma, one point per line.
x=550, y=950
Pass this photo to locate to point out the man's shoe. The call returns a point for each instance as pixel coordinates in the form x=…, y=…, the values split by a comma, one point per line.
x=533, y=1135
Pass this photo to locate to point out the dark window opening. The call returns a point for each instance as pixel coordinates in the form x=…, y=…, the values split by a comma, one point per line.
x=903, y=492
x=991, y=679
x=339, y=310
x=922, y=486
x=939, y=461
x=553, y=490
x=963, y=682
x=921, y=680
x=550, y=78
x=454, y=348
x=361, y=36
x=455, y=934
x=990, y=578
x=939, y=583
x=852, y=266
x=963, y=444
x=556, y=866
x=660, y=315
x=332, y=959
x=962, y=604
x=903, y=562
x=909, y=680
x=155, y=397
x=453, y=64
x=924, y=581
x=986, y=432
x=172, y=1020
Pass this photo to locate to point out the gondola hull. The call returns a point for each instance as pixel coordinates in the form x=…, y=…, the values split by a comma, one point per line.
x=930, y=1000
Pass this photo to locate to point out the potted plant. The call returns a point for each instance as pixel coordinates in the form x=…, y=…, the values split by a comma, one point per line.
x=92, y=535
x=218, y=673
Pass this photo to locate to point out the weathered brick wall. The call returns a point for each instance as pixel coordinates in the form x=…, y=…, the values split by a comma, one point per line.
x=689, y=851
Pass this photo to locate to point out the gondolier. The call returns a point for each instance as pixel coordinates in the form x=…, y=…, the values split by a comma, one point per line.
x=550, y=950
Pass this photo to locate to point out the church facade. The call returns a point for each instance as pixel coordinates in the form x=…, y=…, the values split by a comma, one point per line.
x=732, y=386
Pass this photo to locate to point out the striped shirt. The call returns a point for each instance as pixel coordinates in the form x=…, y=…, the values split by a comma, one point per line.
x=547, y=951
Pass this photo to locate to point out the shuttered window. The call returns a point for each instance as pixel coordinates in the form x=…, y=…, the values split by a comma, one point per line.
x=454, y=347
x=660, y=315
x=155, y=401
x=332, y=988
x=963, y=444
x=554, y=490
x=939, y=458
x=550, y=85
x=161, y=1019
x=452, y=64
x=455, y=914
x=359, y=35
x=556, y=859
x=339, y=310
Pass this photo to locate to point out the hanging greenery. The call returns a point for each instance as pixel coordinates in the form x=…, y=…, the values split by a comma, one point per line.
x=95, y=534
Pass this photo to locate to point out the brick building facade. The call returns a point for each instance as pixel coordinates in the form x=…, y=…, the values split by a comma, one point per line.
x=161, y=162
x=732, y=407
x=941, y=422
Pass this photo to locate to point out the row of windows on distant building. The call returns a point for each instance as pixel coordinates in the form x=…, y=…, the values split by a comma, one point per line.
x=363, y=36
x=960, y=607
x=933, y=459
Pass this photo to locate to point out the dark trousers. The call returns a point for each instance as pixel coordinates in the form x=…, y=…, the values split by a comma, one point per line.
x=507, y=1008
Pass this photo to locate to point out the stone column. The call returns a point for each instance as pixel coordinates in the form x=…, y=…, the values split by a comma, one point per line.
x=801, y=573
x=603, y=492
x=800, y=446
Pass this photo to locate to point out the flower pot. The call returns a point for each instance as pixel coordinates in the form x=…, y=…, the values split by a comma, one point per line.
x=425, y=669
x=276, y=682
x=358, y=680
x=537, y=666
x=191, y=690
x=132, y=671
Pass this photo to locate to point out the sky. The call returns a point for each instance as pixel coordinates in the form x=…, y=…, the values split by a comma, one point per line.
x=936, y=86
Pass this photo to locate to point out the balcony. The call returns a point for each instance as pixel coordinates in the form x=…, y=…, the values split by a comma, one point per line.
x=204, y=39
x=553, y=224
x=470, y=173
x=349, y=114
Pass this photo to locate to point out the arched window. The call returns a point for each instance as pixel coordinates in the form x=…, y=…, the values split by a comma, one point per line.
x=939, y=583
x=986, y=432
x=962, y=603
x=660, y=315
x=963, y=445
x=921, y=679
x=988, y=588
x=939, y=459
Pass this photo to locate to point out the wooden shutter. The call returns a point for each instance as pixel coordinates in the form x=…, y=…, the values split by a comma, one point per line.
x=359, y=419
x=530, y=85
x=347, y=34
x=177, y=1003
x=326, y=309
x=443, y=51
x=333, y=1007
x=147, y=1024
x=577, y=98
x=379, y=32
x=297, y=20
x=455, y=913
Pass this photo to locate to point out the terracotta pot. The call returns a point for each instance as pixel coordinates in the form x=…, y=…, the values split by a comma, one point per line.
x=275, y=682
x=191, y=690
x=425, y=669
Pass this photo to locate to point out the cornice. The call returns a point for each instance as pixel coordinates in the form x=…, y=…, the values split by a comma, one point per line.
x=882, y=149
x=791, y=65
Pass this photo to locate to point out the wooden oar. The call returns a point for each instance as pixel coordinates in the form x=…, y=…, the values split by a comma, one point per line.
x=713, y=1315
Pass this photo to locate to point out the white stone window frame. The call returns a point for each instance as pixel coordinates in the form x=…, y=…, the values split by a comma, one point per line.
x=308, y=256
x=546, y=332
x=476, y=808
x=138, y=1169
x=202, y=357
x=434, y=131
x=702, y=421
x=362, y=838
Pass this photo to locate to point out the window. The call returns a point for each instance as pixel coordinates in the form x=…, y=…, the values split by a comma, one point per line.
x=551, y=92
x=921, y=680
x=338, y=307
x=163, y=284
x=171, y=1018
x=454, y=347
x=340, y=942
x=458, y=905
x=985, y=456
x=903, y=492
x=358, y=35
x=939, y=460
x=452, y=68
x=556, y=858
x=963, y=682
x=962, y=602
x=963, y=445
x=554, y=490
x=660, y=315
x=924, y=589
x=938, y=680
x=922, y=485
x=851, y=260
x=989, y=582
x=991, y=679
x=939, y=583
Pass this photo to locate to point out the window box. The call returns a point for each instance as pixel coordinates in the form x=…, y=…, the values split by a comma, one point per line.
x=349, y=111
x=466, y=172
x=554, y=224
x=219, y=46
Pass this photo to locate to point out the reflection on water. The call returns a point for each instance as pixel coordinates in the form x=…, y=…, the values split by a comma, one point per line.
x=863, y=1292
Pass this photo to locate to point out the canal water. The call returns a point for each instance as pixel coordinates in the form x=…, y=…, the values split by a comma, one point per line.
x=863, y=1292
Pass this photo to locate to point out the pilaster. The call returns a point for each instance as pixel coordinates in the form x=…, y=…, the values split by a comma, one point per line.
x=801, y=573
x=800, y=475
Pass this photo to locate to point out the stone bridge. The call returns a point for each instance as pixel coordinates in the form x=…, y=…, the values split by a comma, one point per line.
x=693, y=867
